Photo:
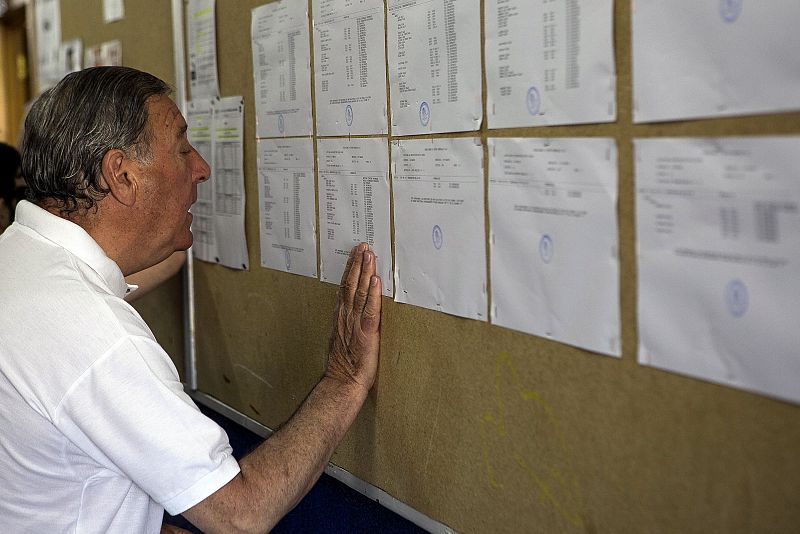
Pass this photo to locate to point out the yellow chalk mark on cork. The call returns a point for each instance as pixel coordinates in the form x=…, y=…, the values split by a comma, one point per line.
x=551, y=484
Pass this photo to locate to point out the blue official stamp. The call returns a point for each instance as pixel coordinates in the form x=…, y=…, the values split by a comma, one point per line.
x=730, y=10
x=281, y=125
x=546, y=248
x=736, y=298
x=424, y=113
x=437, y=236
x=348, y=115
x=533, y=101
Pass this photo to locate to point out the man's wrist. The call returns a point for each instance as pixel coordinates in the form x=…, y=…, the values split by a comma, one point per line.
x=346, y=388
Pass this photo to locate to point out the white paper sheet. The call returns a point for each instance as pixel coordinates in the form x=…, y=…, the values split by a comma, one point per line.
x=70, y=56
x=113, y=10
x=281, y=69
x=714, y=57
x=201, y=37
x=553, y=239
x=349, y=67
x=718, y=231
x=228, y=179
x=549, y=62
x=353, y=204
x=200, y=135
x=111, y=54
x=106, y=54
x=48, y=41
x=439, y=228
x=91, y=56
x=434, y=65
x=287, y=205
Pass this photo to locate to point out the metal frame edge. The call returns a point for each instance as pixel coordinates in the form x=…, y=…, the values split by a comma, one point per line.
x=189, y=344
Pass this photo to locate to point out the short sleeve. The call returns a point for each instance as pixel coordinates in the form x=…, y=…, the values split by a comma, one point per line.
x=129, y=413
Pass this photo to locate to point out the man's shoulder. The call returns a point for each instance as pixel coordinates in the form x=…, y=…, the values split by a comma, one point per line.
x=57, y=316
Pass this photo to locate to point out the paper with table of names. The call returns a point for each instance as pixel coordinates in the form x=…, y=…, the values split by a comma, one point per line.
x=287, y=216
x=354, y=204
x=439, y=226
x=70, y=56
x=714, y=57
x=228, y=179
x=281, y=69
x=349, y=67
x=48, y=42
x=106, y=54
x=198, y=120
x=553, y=239
x=549, y=62
x=201, y=36
x=718, y=231
x=111, y=53
x=434, y=65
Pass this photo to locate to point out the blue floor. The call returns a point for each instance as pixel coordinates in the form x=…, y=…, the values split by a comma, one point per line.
x=330, y=507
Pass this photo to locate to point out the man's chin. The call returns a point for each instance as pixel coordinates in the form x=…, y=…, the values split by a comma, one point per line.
x=185, y=242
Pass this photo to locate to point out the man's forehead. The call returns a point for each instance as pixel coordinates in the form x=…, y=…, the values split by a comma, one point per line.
x=164, y=113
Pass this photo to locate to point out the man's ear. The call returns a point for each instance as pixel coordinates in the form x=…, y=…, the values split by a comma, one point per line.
x=119, y=176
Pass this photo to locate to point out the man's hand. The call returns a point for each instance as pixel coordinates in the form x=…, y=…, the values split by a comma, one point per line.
x=354, y=346
x=282, y=469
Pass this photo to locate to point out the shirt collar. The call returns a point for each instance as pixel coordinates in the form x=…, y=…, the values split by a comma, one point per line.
x=74, y=239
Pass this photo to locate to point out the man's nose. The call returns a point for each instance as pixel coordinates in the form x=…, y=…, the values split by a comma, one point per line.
x=203, y=171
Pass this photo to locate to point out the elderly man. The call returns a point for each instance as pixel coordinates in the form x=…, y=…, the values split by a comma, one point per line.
x=97, y=433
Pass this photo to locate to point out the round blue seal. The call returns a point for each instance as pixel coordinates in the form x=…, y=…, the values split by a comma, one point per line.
x=348, y=115
x=281, y=125
x=437, y=236
x=546, y=248
x=736, y=298
x=424, y=114
x=730, y=10
x=533, y=101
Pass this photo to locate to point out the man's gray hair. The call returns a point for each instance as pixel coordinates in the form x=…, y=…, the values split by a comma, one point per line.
x=71, y=126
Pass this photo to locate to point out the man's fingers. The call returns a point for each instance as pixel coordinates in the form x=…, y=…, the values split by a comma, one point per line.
x=355, y=342
x=367, y=270
x=371, y=319
x=351, y=275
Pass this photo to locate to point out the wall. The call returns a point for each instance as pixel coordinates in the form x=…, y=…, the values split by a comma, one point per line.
x=489, y=430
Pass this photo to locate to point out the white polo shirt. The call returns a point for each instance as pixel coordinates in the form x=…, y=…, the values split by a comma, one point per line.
x=96, y=432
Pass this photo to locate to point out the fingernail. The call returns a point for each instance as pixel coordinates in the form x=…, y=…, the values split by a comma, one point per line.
x=367, y=256
x=373, y=281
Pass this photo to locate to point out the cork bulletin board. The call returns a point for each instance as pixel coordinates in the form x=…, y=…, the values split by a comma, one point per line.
x=479, y=427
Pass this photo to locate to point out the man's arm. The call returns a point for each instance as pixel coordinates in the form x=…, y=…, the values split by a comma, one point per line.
x=277, y=474
x=171, y=529
x=150, y=278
